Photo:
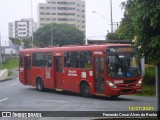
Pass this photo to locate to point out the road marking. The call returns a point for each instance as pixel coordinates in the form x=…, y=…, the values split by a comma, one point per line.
x=11, y=84
x=3, y=99
x=47, y=100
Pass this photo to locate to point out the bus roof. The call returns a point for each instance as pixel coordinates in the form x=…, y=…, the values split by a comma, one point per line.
x=73, y=48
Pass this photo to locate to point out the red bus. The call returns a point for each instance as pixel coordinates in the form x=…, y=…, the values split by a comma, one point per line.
x=106, y=70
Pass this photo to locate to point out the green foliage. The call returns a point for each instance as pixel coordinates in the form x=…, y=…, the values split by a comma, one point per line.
x=148, y=90
x=62, y=34
x=126, y=30
x=10, y=63
x=25, y=42
x=144, y=16
x=112, y=36
x=149, y=77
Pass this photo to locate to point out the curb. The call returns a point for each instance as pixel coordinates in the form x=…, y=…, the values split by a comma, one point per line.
x=9, y=78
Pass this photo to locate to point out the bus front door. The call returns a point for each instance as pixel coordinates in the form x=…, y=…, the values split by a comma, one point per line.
x=58, y=72
x=27, y=70
x=99, y=77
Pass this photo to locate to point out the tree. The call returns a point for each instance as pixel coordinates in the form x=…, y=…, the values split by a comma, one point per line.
x=58, y=34
x=145, y=20
x=25, y=42
x=112, y=36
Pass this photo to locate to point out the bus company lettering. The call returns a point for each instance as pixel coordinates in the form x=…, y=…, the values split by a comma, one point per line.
x=118, y=81
x=72, y=73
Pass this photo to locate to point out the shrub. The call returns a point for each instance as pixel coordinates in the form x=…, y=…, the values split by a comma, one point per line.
x=149, y=77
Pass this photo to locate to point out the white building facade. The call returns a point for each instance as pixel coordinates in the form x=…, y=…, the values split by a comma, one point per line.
x=22, y=28
x=62, y=11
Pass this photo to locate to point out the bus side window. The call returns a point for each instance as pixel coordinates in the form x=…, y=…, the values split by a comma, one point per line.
x=72, y=59
x=85, y=59
x=48, y=59
x=59, y=64
x=21, y=59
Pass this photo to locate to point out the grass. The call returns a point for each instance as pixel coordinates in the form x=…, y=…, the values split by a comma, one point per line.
x=148, y=90
x=10, y=64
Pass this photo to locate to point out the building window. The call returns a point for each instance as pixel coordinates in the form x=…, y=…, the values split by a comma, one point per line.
x=82, y=10
x=53, y=8
x=53, y=19
x=41, y=7
x=65, y=8
x=41, y=13
x=47, y=13
x=71, y=14
x=52, y=2
x=66, y=3
x=48, y=19
x=53, y=13
x=42, y=19
x=62, y=19
x=48, y=8
x=70, y=19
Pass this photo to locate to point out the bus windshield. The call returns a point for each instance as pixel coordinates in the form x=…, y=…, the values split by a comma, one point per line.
x=121, y=62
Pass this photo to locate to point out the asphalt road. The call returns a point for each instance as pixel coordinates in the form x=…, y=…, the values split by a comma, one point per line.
x=16, y=97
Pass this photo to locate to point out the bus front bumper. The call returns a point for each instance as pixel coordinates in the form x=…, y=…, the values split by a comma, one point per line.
x=123, y=91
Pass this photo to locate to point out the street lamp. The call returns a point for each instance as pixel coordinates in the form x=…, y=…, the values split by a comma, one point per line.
x=108, y=20
x=101, y=15
x=111, y=16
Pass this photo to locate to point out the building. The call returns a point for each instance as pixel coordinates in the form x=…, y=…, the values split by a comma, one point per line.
x=22, y=28
x=62, y=11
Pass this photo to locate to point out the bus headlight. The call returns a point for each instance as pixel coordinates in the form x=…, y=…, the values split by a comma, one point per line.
x=139, y=83
x=110, y=84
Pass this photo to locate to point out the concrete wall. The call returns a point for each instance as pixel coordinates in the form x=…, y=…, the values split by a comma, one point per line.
x=3, y=74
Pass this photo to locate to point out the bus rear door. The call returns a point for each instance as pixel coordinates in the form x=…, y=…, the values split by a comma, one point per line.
x=58, y=72
x=99, y=78
x=27, y=70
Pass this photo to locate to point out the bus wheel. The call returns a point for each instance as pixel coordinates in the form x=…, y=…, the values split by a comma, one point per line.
x=39, y=85
x=85, y=90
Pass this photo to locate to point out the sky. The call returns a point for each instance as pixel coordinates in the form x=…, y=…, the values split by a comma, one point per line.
x=97, y=24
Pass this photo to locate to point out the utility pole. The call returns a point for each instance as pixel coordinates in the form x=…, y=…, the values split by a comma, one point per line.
x=32, y=24
x=111, y=17
x=0, y=53
x=157, y=88
x=51, y=36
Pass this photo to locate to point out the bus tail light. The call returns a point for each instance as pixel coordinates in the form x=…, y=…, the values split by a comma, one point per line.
x=139, y=83
x=111, y=84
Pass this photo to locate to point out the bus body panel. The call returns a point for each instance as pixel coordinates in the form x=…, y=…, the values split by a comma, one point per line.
x=70, y=79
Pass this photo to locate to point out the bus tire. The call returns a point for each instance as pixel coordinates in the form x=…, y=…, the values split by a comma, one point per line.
x=39, y=85
x=85, y=90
